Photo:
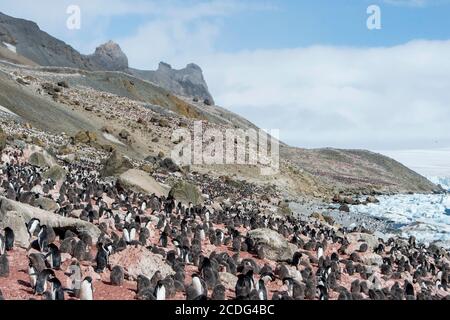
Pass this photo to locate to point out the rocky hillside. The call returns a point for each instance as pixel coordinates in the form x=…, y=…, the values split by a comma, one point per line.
x=34, y=46
x=99, y=101
x=354, y=171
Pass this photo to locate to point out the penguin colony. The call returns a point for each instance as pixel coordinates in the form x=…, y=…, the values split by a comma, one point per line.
x=320, y=269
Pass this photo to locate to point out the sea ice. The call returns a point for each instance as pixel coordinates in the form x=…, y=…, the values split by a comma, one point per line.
x=424, y=216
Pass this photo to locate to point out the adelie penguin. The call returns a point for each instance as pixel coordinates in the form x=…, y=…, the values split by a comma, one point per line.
x=129, y=234
x=33, y=226
x=4, y=266
x=43, y=239
x=87, y=289
x=9, y=239
x=160, y=291
x=53, y=257
x=262, y=291
x=102, y=258
x=55, y=288
x=2, y=245
x=41, y=281
x=196, y=291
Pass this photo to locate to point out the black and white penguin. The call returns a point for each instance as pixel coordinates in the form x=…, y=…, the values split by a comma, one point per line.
x=87, y=289
x=55, y=288
x=160, y=291
x=41, y=281
x=102, y=258
x=244, y=285
x=9, y=239
x=33, y=226
x=2, y=245
x=196, y=290
x=43, y=239
x=320, y=252
x=129, y=234
x=4, y=266
x=322, y=291
x=32, y=273
x=163, y=240
x=262, y=291
x=53, y=257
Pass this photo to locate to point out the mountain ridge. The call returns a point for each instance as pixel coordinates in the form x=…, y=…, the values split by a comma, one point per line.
x=43, y=49
x=173, y=97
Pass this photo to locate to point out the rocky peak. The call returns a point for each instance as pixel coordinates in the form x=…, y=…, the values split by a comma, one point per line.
x=109, y=56
x=188, y=81
x=164, y=66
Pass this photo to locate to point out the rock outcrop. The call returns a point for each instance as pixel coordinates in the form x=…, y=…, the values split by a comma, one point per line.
x=140, y=261
x=15, y=215
x=188, y=81
x=33, y=44
x=275, y=246
x=41, y=159
x=2, y=139
x=140, y=181
x=116, y=164
x=186, y=192
x=109, y=56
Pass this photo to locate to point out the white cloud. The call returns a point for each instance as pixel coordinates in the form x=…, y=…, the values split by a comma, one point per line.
x=430, y=163
x=409, y=3
x=379, y=98
x=176, y=15
x=416, y=3
x=372, y=98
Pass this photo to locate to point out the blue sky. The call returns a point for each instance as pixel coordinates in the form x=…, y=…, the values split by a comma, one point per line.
x=309, y=68
x=249, y=24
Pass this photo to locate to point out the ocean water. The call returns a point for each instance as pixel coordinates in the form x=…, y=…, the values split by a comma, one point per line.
x=427, y=217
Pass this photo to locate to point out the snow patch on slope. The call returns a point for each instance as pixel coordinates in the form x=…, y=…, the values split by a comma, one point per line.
x=10, y=47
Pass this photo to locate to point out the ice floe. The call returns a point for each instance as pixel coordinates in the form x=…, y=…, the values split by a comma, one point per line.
x=427, y=217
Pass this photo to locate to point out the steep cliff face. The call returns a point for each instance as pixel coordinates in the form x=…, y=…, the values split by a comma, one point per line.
x=186, y=82
x=30, y=42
